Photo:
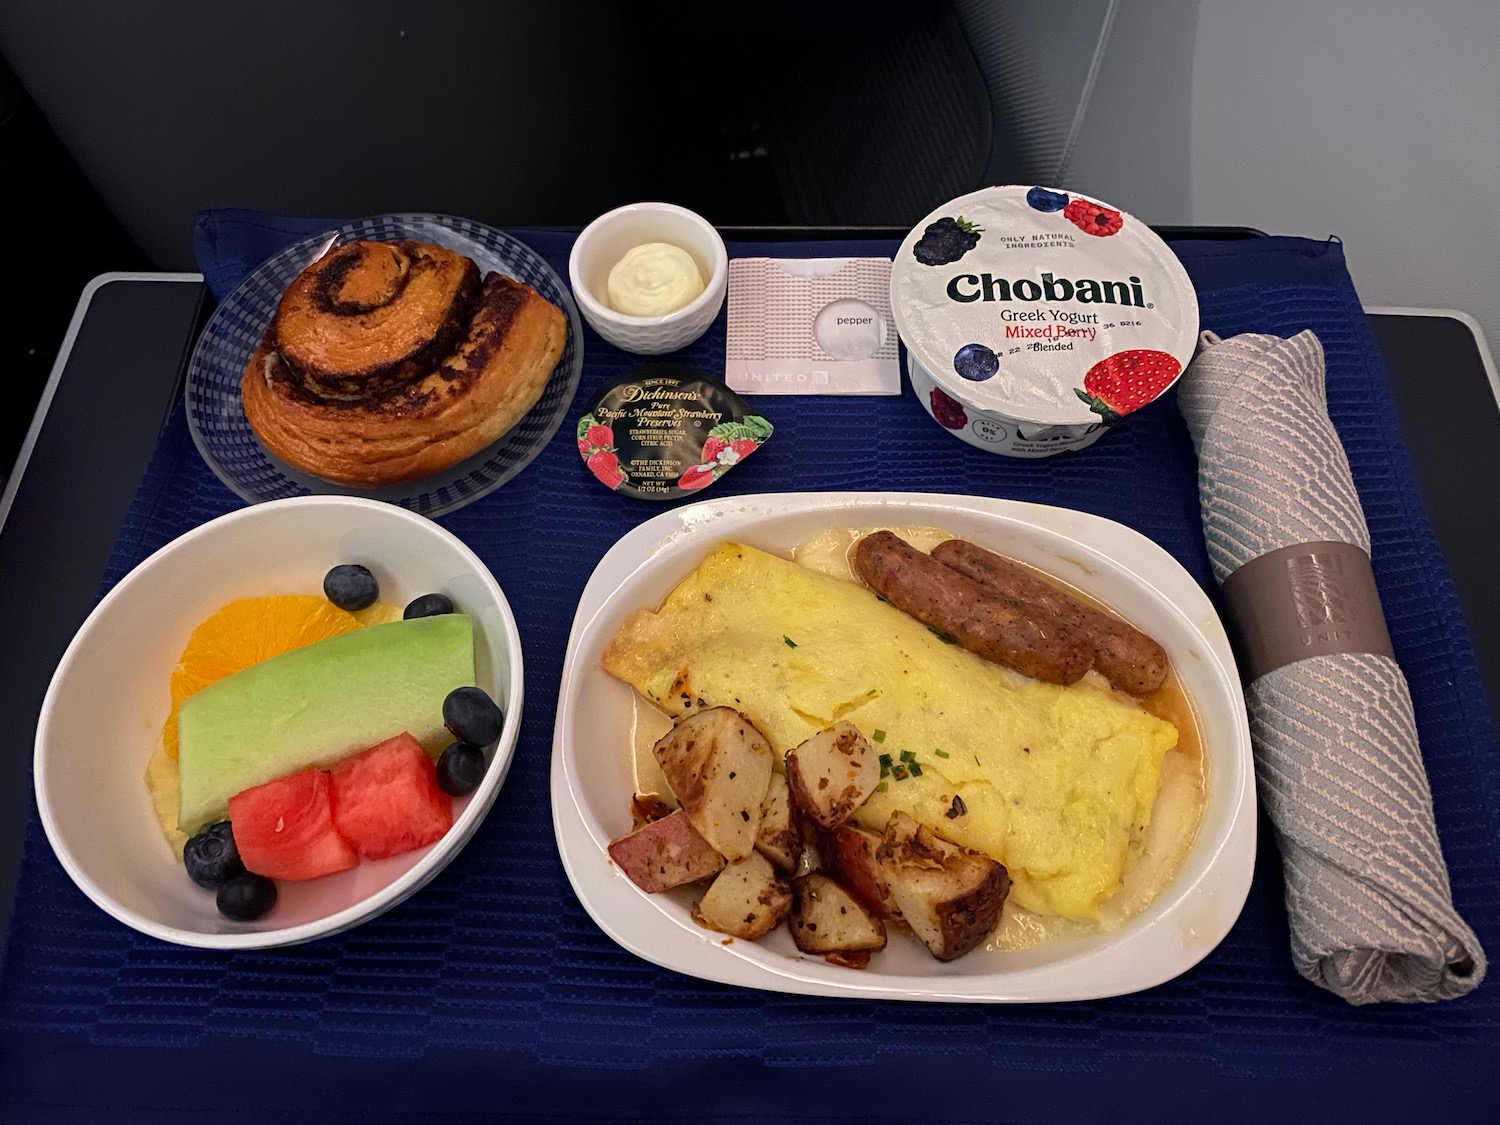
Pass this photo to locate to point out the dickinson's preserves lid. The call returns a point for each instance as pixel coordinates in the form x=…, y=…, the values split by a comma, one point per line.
x=1034, y=318
x=666, y=431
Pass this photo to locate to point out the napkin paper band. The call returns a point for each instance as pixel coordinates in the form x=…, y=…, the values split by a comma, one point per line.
x=1311, y=599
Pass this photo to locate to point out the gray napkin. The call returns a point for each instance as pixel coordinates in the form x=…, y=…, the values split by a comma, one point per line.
x=1339, y=769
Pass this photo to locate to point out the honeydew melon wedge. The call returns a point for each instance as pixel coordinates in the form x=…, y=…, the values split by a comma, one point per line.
x=316, y=705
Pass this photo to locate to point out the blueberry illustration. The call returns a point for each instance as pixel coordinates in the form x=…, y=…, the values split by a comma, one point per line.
x=946, y=241
x=976, y=362
x=1043, y=200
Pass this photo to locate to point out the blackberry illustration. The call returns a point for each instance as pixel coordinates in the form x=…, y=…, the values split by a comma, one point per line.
x=1043, y=200
x=946, y=241
x=975, y=362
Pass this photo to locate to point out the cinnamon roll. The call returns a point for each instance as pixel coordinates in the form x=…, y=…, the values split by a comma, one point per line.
x=390, y=361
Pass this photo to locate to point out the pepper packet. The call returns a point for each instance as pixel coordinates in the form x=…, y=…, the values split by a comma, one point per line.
x=811, y=326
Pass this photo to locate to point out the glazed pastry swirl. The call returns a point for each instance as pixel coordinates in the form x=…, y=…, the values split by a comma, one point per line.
x=371, y=316
x=391, y=361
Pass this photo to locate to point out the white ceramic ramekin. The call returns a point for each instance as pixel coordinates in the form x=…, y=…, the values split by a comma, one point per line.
x=606, y=240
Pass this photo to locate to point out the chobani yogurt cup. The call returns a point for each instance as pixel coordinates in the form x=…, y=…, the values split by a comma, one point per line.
x=1036, y=319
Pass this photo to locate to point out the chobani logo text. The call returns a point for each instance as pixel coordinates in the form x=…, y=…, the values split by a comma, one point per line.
x=966, y=287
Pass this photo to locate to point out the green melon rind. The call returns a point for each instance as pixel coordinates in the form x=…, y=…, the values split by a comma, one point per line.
x=317, y=705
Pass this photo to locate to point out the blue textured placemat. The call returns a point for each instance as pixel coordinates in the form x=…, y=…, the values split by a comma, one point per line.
x=497, y=953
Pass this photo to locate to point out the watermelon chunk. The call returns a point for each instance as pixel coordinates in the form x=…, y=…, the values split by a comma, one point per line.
x=284, y=828
x=386, y=800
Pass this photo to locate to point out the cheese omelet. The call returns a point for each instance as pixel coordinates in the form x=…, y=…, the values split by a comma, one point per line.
x=1054, y=782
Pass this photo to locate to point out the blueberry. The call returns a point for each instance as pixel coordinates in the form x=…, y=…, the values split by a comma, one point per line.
x=1044, y=200
x=471, y=715
x=211, y=857
x=350, y=587
x=246, y=897
x=428, y=605
x=460, y=768
x=975, y=362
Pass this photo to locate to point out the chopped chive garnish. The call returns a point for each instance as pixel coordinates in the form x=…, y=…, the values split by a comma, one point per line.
x=882, y=787
x=940, y=753
x=878, y=736
x=885, y=760
x=942, y=636
x=916, y=769
x=872, y=692
x=789, y=642
x=908, y=756
x=898, y=771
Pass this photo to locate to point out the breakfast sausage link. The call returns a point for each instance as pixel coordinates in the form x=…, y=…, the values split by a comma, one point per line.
x=1127, y=658
x=988, y=625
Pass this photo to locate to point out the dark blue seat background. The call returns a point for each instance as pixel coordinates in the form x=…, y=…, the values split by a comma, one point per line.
x=491, y=993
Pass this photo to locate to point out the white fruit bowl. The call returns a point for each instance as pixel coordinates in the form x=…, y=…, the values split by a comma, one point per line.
x=108, y=699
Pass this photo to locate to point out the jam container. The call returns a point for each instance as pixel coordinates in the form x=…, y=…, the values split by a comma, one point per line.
x=666, y=431
x=1034, y=319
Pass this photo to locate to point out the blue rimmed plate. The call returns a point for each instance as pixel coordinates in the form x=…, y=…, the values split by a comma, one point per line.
x=216, y=416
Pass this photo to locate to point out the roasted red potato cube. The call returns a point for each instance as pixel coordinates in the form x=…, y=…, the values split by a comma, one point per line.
x=949, y=895
x=747, y=900
x=665, y=853
x=719, y=766
x=779, y=838
x=848, y=854
x=832, y=774
x=646, y=807
x=828, y=919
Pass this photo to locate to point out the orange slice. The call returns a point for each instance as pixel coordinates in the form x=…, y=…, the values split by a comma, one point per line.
x=245, y=632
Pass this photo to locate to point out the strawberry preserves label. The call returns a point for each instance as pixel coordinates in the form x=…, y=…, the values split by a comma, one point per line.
x=1039, y=317
x=666, y=431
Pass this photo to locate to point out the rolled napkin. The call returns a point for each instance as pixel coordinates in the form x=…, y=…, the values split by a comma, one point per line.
x=1339, y=768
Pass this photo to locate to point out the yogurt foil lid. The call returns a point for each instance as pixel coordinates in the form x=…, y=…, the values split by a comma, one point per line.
x=1043, y=306
x=667, y=430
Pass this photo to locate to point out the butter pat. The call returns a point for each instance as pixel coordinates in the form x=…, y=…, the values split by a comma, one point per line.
x=654, y=279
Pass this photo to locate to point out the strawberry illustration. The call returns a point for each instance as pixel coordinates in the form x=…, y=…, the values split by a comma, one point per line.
x=583, y=447
x=600, y=437
x=948, y=413
x=606, y=466
x=743, y=447
x=712, y=448
x=697, y=476
x=1090, y=218
x=1127, y=381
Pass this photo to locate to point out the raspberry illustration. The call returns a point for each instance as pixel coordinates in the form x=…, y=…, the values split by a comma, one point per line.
x=976, y=363
x=1093, y=219
x=1043, y=200
x=946, y=241
x=697, y=476
x=1127, y=381
x=712, y=448
x=606, y=466
x=949, y=414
